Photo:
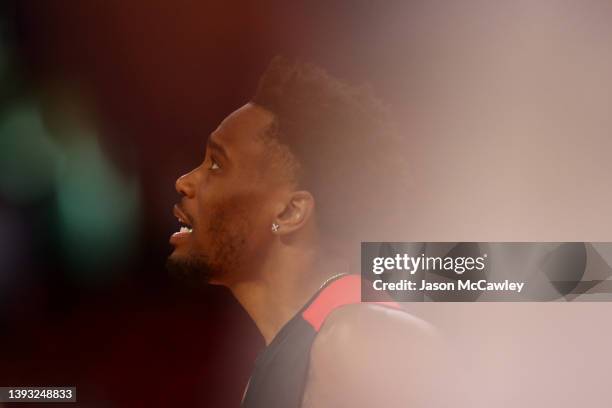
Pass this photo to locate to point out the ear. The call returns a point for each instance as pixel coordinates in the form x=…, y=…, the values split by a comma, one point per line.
x=295, y=213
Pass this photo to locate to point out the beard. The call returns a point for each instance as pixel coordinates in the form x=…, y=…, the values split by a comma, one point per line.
x=227, y=236
x=194, y=269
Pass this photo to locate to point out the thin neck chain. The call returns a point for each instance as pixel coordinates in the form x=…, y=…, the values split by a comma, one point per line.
x=331, y=278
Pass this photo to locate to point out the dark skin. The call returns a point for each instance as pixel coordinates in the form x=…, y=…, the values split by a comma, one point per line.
x=243, y=186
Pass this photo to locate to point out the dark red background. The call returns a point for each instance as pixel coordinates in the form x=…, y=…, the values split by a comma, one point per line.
x=160, y=76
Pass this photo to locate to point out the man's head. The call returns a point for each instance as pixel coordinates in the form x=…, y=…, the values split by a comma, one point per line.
x=305, y=155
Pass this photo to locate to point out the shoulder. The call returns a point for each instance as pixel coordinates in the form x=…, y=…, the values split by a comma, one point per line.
x=369, y=324
x=385, y=351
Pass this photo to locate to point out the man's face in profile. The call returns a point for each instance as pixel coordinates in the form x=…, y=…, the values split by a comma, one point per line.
x=227, y=201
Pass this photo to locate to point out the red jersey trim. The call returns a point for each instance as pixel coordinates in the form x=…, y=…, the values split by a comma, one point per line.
x=343, y=291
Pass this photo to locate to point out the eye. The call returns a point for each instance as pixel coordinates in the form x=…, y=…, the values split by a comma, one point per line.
x=213, y=165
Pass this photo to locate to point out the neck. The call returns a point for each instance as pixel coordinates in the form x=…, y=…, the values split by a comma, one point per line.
x=285, y=281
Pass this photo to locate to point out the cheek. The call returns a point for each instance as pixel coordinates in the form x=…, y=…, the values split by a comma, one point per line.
x=240, y=214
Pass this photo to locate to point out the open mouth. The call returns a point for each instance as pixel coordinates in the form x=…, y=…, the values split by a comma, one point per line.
x=185, y=227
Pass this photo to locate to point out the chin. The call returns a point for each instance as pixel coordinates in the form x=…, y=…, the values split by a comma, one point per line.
x=189, y=267
x=181, y=252
x=176, y=253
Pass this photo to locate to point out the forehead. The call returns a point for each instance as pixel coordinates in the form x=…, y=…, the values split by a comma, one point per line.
x=240, y=133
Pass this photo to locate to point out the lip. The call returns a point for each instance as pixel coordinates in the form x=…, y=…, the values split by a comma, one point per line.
x=178, y=236
x=181, y=216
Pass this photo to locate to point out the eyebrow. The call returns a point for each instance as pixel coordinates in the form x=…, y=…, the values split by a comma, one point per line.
x=214, y=145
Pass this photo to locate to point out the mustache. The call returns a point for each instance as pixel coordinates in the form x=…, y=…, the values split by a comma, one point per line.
x=184, y=214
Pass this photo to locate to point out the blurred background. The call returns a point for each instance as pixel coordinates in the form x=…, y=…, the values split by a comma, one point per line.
x=103, y=104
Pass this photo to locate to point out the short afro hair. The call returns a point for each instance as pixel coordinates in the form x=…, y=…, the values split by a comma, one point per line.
x=350, y=158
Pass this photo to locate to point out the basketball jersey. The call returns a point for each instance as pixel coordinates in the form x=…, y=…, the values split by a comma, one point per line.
x=281, y=369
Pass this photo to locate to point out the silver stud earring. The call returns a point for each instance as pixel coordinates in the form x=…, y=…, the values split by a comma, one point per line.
x=275, y=227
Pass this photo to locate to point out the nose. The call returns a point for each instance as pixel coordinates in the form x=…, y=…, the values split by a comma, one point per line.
x=185, y=184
